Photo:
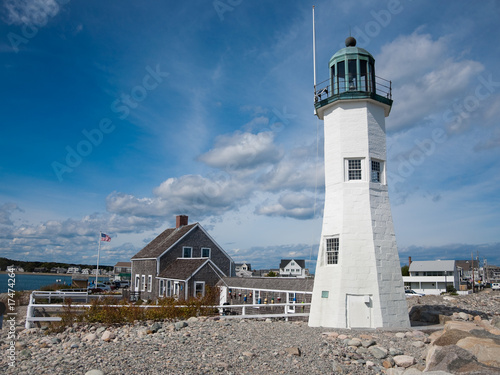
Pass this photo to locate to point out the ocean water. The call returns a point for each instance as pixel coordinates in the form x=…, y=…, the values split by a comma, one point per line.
x=32, y=282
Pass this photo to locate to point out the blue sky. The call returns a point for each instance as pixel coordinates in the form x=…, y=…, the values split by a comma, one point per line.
x=119, y=115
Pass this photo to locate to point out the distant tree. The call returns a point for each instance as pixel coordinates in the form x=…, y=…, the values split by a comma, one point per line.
x=272, y=274
x=405, y=270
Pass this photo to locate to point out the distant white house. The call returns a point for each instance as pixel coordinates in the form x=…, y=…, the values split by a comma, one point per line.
x=15, y=268
x=243, y=269
x=74, y=269
x=293, y=267
x=432, y=276
x=86, y=271
x=58, y=270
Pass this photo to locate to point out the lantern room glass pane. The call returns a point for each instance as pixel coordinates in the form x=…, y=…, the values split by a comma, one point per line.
x=352, y=74
x=372, y=77
x=341, y=76
x=363, y=73
x=334, y=81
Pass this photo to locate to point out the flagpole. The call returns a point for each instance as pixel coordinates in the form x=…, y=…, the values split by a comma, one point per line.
x=314, y=50
x=98, y=254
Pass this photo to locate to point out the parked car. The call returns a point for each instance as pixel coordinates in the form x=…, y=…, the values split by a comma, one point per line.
x=122, y=284
x=99, y=288
x=412, y=293
x=495, y=286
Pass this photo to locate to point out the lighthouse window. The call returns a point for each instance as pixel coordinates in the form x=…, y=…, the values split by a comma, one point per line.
x=375, y=171
x=354, y=169
x=332, y=250
x=341, y=76
x=352, y=75
x=363, y=73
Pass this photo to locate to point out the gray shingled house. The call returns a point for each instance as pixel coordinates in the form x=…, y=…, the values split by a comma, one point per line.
x=181, y=262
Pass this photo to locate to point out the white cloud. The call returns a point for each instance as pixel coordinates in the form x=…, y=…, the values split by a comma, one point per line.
x=294, y=205
x=6, y=211
x=242, y=151
x=299, y=170
x=30, y=12
x=425, y=78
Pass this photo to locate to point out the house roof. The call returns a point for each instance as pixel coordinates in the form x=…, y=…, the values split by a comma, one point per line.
x=123, y=264
x=163, y=242
x=182, y=268
x=432, y=265
x=300, y=262
x=269, y=283
x=466, y=264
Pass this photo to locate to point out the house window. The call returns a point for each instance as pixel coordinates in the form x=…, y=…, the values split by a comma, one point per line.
x=150, y=283
x=376, y=171
x=169, y=289
x=205, y=252
x=143, y=283
x=160, y=288
x=199, y=288
x=137, y=281
x=332, y=250
x=354, y=169
x=187, y=252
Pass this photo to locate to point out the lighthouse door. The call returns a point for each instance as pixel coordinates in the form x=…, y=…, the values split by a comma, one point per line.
x=358, y=311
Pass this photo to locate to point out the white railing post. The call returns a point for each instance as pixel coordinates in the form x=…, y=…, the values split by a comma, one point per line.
x=29, y=312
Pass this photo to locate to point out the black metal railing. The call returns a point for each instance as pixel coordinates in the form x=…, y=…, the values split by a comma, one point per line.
x=381, y=86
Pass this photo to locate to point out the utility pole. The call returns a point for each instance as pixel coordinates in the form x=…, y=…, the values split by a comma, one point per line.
x=472, y=268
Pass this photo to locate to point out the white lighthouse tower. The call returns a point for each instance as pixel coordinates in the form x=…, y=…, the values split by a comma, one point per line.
x=358, y=280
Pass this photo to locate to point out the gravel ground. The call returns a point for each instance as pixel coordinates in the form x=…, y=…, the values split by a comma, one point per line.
x=223, y=346
x=211, y=346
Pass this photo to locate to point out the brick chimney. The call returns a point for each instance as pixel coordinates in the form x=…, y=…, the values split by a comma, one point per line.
x=181, y=220
x=409, y=259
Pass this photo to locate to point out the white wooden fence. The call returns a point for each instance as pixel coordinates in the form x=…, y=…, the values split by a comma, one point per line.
x=278, y=310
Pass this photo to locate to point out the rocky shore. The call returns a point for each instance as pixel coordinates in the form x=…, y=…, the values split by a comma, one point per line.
x=454, y=335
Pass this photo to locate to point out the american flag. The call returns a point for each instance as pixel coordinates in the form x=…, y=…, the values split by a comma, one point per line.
x=105, y=237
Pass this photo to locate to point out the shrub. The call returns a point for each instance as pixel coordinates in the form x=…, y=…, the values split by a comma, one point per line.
x=105, y=310
x=451, y=289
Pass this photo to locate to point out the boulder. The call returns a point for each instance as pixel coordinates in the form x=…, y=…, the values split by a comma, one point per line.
x=353, y=342
x=108, y=336
x=453, y=359
x=155, y=327
x=487, y=351
x=90, y=337
x=463, y=326
x=180, y=325
x=404, y=361
x=451, y=337
x=378, y=352
x=293, y=351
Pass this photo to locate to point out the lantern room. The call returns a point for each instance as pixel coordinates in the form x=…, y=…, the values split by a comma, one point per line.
x=352, y=76
x=352, y=69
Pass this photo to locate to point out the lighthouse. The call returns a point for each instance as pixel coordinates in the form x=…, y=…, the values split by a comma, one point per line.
x=358, y=282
